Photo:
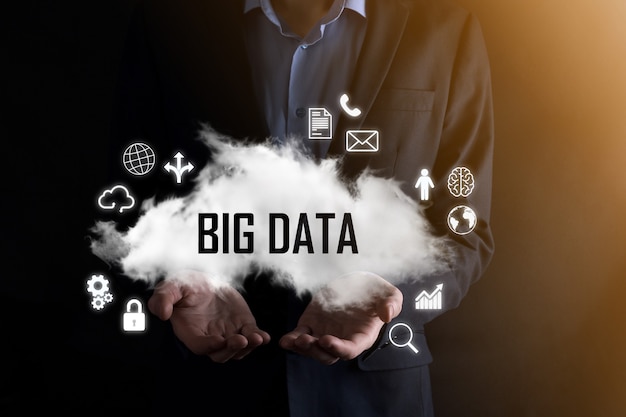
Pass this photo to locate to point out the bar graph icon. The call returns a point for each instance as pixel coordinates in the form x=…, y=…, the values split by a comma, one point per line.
x=429, y=301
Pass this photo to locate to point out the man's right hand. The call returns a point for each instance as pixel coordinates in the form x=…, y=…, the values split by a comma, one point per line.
x=209, y=320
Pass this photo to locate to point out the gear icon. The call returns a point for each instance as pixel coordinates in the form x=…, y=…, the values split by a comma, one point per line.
x=98, y=285
x=108, y=297
x=97, y=303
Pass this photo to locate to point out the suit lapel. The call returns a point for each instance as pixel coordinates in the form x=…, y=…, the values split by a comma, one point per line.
x=386, y=21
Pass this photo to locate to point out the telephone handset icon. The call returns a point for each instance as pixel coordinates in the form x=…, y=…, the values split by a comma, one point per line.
x=353, y=112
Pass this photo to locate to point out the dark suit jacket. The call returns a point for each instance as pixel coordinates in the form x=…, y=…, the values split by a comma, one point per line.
x=422, y=80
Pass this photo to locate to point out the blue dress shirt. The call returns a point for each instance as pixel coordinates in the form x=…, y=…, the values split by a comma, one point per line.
x=292, y=74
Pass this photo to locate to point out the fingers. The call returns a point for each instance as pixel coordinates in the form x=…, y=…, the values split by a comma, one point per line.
x=202, y=344
x=327, y=349
x=344, y=349
x=221, y=327
x=238, y=346
x=302, y=342
x=289, y=339
x=162, y=301
x=220, y=348
x=255, y=338
x=231, y=347
x=390, y=306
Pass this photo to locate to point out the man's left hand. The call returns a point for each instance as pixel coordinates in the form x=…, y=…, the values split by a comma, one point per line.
x=333, y=327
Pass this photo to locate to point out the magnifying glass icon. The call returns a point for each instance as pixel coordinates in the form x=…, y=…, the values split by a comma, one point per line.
x=401, y=335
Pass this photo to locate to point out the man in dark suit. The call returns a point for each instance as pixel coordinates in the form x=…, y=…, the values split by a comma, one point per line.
x=421, y=79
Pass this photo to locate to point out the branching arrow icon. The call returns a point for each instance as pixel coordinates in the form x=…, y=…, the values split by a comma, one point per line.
x=179, y=169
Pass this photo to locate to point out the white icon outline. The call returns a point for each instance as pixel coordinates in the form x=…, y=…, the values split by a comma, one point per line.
x=424, y=183
x=430, y=301
x=320, y=123
x=369, y=142
x=134, y=321
x=150, y=167
x=98, y=287
x=113, y=204
x=179, y=169
x=350, y=111
x=472, y=226
x=409, y=341
x=461, y=182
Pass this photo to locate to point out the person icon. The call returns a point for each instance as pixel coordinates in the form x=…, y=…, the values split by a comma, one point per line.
x=424, y=183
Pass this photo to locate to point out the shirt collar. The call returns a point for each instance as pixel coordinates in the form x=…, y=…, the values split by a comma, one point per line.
x=355, y=5
x=335, y=11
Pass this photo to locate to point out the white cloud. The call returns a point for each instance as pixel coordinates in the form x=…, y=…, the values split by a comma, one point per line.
x=391, y=233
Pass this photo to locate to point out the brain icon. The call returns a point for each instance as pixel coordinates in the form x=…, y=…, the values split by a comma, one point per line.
x=461, y=182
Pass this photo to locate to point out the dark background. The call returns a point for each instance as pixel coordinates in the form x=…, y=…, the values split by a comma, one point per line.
x=542, y=334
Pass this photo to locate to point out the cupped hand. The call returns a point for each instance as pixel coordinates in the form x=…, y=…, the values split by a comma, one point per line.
x=210, y=320
x=344, y=318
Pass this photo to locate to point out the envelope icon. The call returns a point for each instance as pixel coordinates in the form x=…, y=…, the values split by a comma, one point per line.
x=362, y=141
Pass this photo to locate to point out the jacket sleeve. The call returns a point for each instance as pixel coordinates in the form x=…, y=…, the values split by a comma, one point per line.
x=465, y=141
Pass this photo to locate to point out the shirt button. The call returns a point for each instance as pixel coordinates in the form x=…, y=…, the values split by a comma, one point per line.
x=300, y=112
x=304, y=46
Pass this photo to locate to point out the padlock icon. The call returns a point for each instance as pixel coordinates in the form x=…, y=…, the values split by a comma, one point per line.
x=134, y=321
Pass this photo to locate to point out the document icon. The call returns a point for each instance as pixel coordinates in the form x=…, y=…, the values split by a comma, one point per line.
x=320, y=123
x=362, y=141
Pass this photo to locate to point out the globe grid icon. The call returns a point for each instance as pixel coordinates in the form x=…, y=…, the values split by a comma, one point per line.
x=138, y=158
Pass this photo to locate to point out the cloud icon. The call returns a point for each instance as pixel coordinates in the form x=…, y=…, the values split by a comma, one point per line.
x=118, y=196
